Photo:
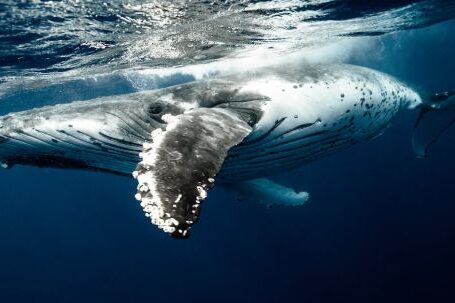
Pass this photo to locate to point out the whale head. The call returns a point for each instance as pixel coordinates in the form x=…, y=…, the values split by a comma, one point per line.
x=108, y=133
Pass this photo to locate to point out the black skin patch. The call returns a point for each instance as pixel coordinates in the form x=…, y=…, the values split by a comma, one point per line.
x=156, y=108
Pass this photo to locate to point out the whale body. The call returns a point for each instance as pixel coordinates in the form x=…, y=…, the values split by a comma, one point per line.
x=235, y=130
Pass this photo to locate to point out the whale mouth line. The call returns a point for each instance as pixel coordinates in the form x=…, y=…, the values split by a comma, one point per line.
x=56, y=161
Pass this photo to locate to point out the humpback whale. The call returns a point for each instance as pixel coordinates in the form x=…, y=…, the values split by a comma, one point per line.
x=234, y=131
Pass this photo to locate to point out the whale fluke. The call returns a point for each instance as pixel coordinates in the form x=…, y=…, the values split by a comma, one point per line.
x=437, y=114
x=180, y=163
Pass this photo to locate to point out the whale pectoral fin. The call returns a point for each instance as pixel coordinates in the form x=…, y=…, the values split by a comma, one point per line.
x=180, y=163
x=270, y=193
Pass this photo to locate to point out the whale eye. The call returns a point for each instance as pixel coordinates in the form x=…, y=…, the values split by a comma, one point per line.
x=155, y=108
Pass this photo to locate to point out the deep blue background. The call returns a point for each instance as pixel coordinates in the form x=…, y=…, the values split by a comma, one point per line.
x=380, y=225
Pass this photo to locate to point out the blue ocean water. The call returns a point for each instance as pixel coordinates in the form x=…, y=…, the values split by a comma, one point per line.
x=379, y=225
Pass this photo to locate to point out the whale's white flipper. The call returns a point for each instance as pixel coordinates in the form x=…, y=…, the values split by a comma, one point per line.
x=270, y=193
x=180, y=163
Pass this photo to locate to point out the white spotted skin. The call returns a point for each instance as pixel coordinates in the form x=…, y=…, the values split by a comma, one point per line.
x=328, y=111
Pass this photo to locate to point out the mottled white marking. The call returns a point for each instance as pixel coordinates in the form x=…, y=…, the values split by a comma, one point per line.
x=147, y=186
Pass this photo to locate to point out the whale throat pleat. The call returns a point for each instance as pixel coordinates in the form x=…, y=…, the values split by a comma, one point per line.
x=72, y=148
x=286, y=149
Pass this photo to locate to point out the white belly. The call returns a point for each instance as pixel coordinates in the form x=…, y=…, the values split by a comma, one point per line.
x=316, y=116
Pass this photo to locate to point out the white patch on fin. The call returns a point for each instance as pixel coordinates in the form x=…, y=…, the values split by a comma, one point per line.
x=147, y=185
